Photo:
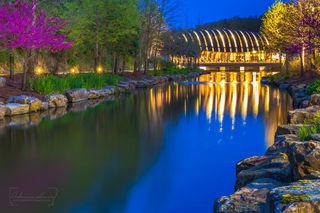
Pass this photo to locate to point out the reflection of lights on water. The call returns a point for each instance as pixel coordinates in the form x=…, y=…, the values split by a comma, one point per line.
x=233, y=104
x=222, y=103
x=255, y=88
x=245, y=103
x=267, y=99
x=210, y=104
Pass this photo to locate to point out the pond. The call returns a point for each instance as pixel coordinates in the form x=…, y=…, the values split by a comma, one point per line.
x=172, y=148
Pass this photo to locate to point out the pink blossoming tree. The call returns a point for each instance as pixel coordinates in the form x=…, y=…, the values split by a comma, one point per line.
x=25, y=27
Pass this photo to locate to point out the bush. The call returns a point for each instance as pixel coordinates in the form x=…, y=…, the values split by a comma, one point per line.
x=305, y=132
x=314, y=88
x=58, y=84
x=281, y=76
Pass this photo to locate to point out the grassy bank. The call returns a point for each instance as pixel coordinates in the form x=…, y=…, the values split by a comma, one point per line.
x=281, y=76
x=173, y=71
x=58, y=84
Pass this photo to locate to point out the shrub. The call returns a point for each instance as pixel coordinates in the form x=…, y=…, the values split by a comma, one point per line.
x=305, y=133
x=58, y=84
x=314, y=88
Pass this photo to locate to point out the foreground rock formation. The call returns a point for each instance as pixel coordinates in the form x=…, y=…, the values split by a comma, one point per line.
x=287, y=177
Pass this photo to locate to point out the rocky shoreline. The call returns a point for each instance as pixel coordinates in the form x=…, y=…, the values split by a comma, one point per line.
x=287, y=177
x=25, y=110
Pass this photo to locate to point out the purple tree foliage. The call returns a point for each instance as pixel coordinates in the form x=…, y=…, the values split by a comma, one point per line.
x=25, y=26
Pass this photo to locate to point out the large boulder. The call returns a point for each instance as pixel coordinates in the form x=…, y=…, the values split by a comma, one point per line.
x=276, y=167
x=15, y=109
x=298, y=116
x=76, y=95
x=304, y=158
x=251, y=198
x=56, y=100
x=282, y=143
x=251, y=162
x=315, y=99
x=299, y=197
x=34, y=103
x=44, y=106
x=94, y=94
x=289, y=129
x=109, y=90
x=2, y=82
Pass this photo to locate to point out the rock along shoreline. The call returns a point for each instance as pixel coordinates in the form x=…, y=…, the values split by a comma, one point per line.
x=25, y=110
x=287, y=177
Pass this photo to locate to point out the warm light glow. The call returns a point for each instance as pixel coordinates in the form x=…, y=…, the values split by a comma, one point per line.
x=100, y=69
x=185, y=37
x=223, y=42
x=39, y=71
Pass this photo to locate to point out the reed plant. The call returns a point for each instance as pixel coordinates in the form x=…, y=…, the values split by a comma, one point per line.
x=49, y=84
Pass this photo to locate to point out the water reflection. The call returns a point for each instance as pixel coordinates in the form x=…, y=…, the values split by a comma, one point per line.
x=168, y=149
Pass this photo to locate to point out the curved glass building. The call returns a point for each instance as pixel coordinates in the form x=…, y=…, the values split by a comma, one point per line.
x=229, y=46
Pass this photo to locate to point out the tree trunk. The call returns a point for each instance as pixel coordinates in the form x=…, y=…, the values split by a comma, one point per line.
x=123, y=64
x=301, y=63
x=11, y=62
x=155, y=58
x=25, y=64
x=135, y=66
x=96, y=51
x=314, y=60
x=287, y=64
x=115, y=64
x=102, y=58
x=31, y=61
x=146, y=65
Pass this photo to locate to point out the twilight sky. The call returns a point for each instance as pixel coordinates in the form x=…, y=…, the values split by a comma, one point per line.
x=213, y=10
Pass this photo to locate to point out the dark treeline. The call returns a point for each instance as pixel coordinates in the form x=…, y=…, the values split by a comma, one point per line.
x=251, y=23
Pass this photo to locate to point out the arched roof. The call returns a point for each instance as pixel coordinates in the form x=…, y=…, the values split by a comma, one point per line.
x=224, y=40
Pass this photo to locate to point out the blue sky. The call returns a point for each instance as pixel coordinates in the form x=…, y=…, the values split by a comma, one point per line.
x=193, y=11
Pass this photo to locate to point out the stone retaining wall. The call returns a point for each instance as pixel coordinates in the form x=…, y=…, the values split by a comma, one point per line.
x=24, y=110
x=287, y=177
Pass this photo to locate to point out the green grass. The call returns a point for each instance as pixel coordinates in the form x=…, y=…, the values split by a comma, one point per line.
x=58, y=84
x=306, y=132
x=281, y=76
x=173, y=71
x=314, y=88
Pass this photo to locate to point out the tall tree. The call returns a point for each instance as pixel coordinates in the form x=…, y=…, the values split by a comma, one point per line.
x=25, y=27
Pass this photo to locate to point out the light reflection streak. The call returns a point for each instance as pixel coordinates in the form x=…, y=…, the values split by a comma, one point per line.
x=224, y=94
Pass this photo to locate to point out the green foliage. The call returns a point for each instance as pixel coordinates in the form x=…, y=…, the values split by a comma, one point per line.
x=305, y=133
x=55, y=84
x=314, y=88
x=292, y=198
x=173, y=71
x=272, y=26
x=281, y=76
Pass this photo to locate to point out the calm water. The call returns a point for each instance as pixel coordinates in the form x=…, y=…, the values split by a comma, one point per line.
x=169, y=149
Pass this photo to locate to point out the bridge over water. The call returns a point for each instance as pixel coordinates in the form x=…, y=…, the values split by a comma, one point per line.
x=230, y=49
